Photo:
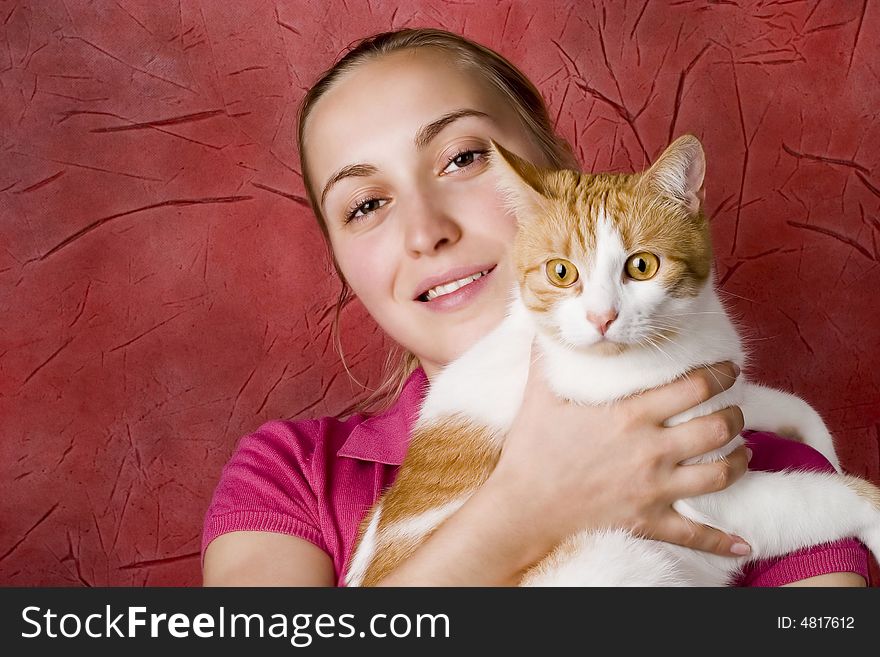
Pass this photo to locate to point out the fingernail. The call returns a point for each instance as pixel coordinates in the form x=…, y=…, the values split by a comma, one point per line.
x=748, y=455
x=736, y=370
x=740, y=548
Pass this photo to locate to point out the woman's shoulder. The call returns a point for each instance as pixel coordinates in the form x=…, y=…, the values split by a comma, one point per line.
x=297, y=439
x=278, y=457
x=269, y=481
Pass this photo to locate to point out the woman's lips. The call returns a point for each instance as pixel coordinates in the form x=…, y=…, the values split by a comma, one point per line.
x=460, y=297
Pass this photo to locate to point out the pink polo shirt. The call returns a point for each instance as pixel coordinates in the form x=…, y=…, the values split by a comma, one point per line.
x=316, y=479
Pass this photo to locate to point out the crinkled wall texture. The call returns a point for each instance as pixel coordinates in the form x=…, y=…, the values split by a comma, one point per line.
x=164, y=288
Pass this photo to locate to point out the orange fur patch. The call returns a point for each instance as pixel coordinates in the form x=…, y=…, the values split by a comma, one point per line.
x=389, y=556
x=562, y=553
x=445, y=461
x=865, y=489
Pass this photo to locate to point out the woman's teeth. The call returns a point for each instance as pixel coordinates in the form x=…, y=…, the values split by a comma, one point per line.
x=447, y=288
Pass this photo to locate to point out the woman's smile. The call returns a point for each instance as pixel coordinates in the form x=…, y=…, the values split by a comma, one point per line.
x=455, y=288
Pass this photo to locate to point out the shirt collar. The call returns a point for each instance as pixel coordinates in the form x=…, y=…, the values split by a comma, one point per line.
x=384, y=438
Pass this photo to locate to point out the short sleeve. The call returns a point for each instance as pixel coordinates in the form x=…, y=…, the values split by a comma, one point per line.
x=265, y=485
x=774, y=453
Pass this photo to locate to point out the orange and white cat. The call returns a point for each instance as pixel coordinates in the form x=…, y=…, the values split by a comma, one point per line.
x=615, y=287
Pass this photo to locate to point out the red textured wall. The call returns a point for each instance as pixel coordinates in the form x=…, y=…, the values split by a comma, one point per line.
x=164, y=289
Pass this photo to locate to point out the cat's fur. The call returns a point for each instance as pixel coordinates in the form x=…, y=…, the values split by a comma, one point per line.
x=665, y=327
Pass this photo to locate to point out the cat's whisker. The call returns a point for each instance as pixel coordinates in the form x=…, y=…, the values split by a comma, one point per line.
x=720, y=291
x=654, y=326
x=693, y=312
x=661, y=327
x=656, y=332
x=713, y=370
x=668, y=339
x=658, y=348
x=675, y=344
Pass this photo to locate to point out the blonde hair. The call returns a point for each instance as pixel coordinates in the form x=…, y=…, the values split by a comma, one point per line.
x=496, y=71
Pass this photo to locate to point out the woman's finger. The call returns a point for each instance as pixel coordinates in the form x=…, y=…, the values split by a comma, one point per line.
x=701, y=435
x=675, y=528
x=688, y=390
x=704, y=478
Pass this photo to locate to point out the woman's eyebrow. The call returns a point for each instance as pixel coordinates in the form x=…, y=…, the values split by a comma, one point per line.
x=427, y=132
x=423, y=137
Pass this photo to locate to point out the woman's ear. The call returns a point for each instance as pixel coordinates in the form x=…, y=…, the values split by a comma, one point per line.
x=523, y=185
x=678, y=173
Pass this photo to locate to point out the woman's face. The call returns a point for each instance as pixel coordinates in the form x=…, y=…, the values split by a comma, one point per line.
x=395, y=154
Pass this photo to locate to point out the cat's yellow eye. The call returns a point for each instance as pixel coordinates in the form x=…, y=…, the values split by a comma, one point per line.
x=561, y=273
x=642, y=265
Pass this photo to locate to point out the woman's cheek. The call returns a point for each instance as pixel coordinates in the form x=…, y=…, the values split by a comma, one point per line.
x=368, y=263
x=495, y=218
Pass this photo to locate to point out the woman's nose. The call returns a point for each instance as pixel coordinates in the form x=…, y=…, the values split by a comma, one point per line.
x=428, y=227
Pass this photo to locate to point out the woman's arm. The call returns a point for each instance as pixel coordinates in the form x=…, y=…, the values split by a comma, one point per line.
x=831, y=579
x=245, y=558
x=262, y=526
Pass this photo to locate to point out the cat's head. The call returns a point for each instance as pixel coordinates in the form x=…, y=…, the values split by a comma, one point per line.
x=610, y=262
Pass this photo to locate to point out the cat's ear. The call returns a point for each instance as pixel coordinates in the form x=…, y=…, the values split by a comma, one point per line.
x=678, y=173
x=523, y=185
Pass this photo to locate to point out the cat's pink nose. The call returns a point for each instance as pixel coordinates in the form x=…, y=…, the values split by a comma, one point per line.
x=602, y=321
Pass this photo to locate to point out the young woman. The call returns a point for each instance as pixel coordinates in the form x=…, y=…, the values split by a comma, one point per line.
x=392, y=142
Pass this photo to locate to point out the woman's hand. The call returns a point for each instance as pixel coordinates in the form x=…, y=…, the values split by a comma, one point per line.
x=569, y=467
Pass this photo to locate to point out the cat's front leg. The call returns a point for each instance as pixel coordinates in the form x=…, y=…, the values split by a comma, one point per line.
x=768, y=409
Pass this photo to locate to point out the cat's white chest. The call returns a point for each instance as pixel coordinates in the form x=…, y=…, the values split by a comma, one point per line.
x=486, y=383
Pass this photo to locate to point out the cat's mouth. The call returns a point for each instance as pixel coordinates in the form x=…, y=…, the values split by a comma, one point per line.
x=606, y=347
